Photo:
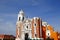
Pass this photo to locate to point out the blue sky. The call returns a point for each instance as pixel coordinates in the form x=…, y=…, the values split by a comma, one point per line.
x=47, y=10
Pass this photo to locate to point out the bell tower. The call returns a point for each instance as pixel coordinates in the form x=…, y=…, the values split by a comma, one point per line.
x=20, y=20
x=21, y=16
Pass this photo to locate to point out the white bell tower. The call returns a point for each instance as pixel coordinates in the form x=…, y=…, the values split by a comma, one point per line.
x=21, y=16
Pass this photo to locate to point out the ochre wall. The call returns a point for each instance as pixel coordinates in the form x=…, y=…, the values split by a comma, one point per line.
x=54, y=35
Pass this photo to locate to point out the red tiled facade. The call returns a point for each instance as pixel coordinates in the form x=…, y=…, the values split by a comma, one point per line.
x=7, y=37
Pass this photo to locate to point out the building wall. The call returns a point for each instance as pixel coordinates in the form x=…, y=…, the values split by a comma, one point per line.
x=36, y=25
x=44, y=32
x=1, y=36
x=58, y=36
x=38, y=30
x=7, y=37
x=32, y=28
x=54, y=34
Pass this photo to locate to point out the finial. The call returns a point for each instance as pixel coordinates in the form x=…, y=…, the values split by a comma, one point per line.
x=21, y=11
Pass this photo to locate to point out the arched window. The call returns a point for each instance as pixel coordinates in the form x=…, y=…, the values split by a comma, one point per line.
x=35, y=24
x=27, y=27
x=19, y=18
x=22, y=18
x=48, y=33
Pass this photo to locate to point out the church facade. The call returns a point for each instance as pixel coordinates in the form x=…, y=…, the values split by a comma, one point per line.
x=33, y=28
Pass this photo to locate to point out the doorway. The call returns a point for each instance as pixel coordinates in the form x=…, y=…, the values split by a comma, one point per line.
x=26, y=36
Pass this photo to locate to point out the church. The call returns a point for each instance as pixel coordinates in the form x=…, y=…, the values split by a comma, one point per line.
x=33, y=29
